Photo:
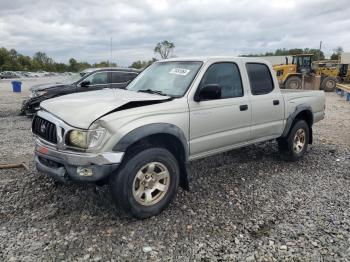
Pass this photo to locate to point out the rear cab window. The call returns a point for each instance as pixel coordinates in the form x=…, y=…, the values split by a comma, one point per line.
x=260, y=78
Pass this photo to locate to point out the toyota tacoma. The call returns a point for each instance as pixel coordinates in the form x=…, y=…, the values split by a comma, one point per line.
x=139, y=140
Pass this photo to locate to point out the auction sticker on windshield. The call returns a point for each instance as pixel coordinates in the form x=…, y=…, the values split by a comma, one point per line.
x=179, y=71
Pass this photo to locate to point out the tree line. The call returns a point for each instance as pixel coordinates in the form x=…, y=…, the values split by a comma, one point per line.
x=294, y=51
x=318, y=54
x=11, y=60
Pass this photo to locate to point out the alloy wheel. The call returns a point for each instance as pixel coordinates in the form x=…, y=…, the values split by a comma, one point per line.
x=299, y=140
x=151, y=183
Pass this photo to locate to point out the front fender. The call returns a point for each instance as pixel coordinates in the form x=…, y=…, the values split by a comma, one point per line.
x=151, y=129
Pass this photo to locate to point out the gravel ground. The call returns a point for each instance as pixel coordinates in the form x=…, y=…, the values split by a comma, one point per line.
x=246, y=204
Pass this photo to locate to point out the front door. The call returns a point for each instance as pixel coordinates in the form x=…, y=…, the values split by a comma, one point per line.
x=220, y=123
x=95, y=81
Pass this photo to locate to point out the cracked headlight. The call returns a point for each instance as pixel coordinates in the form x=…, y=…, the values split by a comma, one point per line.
x=86, y=139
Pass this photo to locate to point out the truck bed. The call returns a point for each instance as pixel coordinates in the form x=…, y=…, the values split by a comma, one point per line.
x=313, y=98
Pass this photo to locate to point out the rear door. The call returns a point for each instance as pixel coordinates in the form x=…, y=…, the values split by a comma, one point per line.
x=266, y=102
x=216, y=125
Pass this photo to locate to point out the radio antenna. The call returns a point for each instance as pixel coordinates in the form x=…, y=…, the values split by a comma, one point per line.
x=111, y=52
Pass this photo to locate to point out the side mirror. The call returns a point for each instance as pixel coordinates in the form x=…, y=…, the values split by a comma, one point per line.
x=85, y=83
x=208, y=92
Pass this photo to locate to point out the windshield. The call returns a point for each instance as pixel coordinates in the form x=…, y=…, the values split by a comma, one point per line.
x=169, y=78
x=73, y=78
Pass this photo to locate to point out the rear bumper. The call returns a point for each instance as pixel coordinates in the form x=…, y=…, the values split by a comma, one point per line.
x=84, y=167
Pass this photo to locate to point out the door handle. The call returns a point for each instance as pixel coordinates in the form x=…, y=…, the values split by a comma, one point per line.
x=276, y=102
x=243, y=107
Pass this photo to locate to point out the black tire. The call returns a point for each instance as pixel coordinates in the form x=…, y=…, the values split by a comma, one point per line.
x=293, y=82
x=122, y=182
x=329, y=84
x=286, y=145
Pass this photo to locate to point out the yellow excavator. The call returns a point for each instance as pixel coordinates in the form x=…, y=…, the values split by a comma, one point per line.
x=290, y=75
x=333, y=68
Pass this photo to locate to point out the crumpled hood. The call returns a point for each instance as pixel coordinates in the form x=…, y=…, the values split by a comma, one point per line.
x=45, y=86
x=82, y=109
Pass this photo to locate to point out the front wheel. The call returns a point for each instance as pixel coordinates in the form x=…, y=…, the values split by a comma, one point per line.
x=294, y=146
x=146, y=183
x=329, y=84
x=293, y=82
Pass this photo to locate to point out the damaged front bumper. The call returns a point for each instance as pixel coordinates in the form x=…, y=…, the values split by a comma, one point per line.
x=67, y=165
x=31, y=105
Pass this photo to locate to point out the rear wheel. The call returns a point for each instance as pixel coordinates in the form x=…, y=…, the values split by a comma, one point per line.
x=294, y=146
x=293, y=82
x=329, y=84
x=146, y=183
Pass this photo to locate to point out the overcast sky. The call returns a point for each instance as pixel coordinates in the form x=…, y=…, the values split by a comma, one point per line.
x=82, y=29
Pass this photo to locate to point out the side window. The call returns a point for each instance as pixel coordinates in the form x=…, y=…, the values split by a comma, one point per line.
x=121, y=77
x=98, y=78
x=131, y=76
x=117, y=77
x=260, y=78
x=227, y=76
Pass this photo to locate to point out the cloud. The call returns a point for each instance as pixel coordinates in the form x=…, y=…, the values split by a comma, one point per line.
x=82, y=29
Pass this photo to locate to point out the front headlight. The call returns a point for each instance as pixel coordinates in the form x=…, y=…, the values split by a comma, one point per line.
x=86, y=139
x=41, y=93
x=38, y=93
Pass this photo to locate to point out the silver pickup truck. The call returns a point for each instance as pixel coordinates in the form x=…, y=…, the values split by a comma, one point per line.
x=139, y=140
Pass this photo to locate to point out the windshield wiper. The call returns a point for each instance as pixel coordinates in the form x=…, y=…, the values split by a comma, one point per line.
x=150, y=91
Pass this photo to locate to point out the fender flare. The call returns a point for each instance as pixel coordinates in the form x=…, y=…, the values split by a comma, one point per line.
x=151, y=129
x=289, y=122
x=154, y=129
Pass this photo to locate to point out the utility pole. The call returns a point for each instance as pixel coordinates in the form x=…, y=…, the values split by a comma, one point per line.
x=319, y=51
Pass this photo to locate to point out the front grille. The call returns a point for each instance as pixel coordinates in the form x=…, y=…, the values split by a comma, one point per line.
x=45, y=129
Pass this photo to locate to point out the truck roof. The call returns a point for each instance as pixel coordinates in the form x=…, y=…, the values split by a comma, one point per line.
x=93, y=69
x=217, y=58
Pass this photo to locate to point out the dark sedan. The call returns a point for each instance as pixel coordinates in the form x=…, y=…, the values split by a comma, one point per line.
x=87, y=80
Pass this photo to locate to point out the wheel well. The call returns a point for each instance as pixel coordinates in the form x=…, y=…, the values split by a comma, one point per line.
x=167, y=141
x=307, y=116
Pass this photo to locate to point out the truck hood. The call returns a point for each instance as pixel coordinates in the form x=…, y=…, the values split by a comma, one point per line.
x=82, y=109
